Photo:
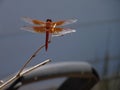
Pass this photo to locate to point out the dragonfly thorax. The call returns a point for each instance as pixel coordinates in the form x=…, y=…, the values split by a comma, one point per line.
x=48, y=23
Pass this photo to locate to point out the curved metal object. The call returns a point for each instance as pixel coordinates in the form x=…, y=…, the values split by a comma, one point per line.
x=80, y=75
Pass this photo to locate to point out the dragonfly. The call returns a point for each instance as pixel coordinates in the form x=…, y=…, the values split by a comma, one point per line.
x=48, y=27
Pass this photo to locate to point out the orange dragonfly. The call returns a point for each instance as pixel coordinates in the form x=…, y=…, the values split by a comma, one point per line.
x=48, y=27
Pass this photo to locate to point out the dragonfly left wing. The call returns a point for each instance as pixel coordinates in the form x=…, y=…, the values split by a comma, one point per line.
x=62, y=31
x=65, y=22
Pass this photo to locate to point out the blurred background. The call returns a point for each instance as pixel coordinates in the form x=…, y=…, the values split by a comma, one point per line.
x=96, y=40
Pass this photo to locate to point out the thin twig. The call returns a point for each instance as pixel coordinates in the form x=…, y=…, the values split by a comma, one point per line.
x=7, y=82
x=32, y=68
x=30, y=59
x=23, y=73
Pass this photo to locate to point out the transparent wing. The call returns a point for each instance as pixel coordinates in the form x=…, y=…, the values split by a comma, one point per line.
x=37, y=29
x=65, y=22
x=33, y=21
x=62, y=31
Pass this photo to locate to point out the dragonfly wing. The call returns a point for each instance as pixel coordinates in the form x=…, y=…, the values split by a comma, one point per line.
x=33, y=21
x=62, y=31
x=37, y=29
x=65, y=22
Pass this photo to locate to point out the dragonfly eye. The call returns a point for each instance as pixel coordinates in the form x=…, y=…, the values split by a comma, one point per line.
x=48, y=20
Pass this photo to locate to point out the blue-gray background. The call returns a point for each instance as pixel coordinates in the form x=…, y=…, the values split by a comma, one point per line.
x=97, y=36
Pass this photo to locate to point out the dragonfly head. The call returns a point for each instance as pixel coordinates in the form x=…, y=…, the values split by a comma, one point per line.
x=48, y=20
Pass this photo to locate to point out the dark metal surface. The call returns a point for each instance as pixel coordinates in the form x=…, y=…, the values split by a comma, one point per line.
x=81, y=76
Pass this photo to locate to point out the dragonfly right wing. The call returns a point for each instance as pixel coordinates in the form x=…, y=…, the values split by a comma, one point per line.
x=33, y=21
x=37, y=29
